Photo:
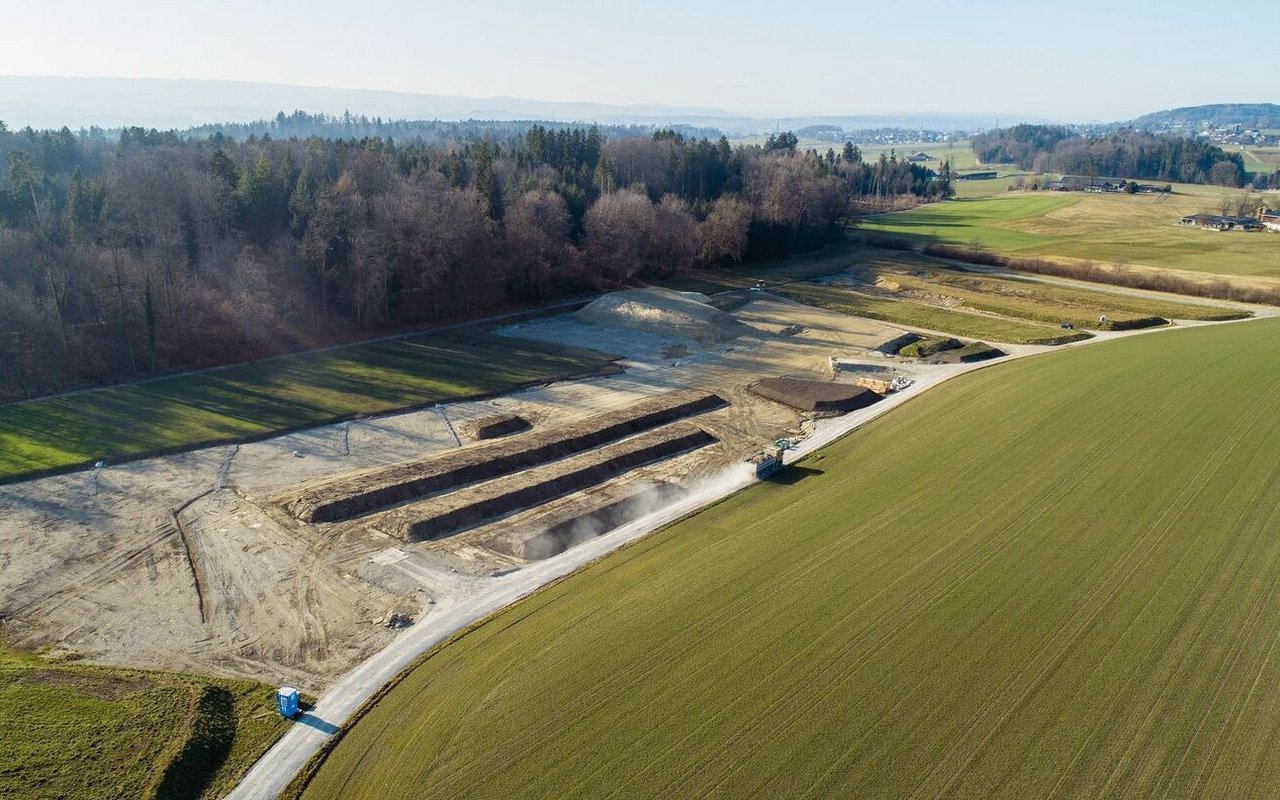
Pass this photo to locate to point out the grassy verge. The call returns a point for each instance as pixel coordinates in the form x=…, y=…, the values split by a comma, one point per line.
x=1056, y=577
x=80, y=732
x=933, y=318
x=267, y=397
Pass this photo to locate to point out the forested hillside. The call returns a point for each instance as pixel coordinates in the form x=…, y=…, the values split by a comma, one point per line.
x=1249, y=115
x=1123, y=154
x=145, y=252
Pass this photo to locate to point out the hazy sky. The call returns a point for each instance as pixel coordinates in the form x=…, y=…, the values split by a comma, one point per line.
x=1070, y=59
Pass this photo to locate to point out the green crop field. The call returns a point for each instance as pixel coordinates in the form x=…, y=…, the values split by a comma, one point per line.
x=77, y=732
x=929, y=317
x=257, y=399
x=1261, y=159
x=1120, y=228
x=1053, y=578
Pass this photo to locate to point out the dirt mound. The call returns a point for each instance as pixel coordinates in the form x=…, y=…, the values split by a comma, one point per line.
x=821, y=397
x=930, y=346
x=977, y=351
x=496, y=426
x=360, y=493
x=593, y=523
x=662, y=311
x=895, y=344
x=474, y=505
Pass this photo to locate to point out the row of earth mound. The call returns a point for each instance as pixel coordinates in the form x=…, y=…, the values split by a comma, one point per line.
x=446, y=492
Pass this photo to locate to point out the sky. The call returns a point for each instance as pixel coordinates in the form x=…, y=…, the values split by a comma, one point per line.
x=1082, y=60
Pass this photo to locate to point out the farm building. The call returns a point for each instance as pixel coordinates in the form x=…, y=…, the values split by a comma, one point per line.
x=921, y=156
x=976, y=176
x=1270, y=219
x=1087, y=183
x=1215, y=222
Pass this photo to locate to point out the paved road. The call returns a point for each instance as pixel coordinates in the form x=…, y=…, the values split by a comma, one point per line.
x=291, y=753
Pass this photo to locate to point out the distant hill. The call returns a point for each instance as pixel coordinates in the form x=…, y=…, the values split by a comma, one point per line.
x=1250, y=115
x=52, y=102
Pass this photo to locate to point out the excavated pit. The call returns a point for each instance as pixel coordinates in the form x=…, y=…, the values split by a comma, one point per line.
x=475, y=505
x=496, y=427
x=372, y=490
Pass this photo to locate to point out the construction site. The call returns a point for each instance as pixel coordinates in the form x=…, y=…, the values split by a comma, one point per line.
x=294, y=558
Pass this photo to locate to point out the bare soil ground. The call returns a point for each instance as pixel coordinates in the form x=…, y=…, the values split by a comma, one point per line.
x=825, y=397
x=235, y=586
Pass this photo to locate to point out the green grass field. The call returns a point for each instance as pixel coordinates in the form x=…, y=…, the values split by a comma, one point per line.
x=1053, y=578
x=1008, y=309
x=1119, y=228
x=1264, y=160
x=76, y=732
x=929, y=317
x=256, y=399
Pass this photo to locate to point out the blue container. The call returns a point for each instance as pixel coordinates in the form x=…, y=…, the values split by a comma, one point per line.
x=287, y=701
x=768, y=466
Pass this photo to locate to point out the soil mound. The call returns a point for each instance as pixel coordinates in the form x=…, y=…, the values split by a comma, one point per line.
x=354, y=494
x=591, y=524
x=664, y=312
x=496, y=426
x=476, y=505
x=895, y=344
x=822, y=397
x=977, y=351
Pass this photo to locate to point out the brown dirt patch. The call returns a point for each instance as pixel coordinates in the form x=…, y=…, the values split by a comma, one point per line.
x=822, y=397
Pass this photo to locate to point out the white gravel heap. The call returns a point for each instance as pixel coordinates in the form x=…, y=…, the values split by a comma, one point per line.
x=662, y=311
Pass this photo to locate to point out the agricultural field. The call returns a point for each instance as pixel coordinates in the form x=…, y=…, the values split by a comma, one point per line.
x=1261, y=159
x=1118, y=228
x=927, y=316
x=990, y=592
x=133, y=733
x=907, y=288
x=967, y=190
x=914, y=276
x=256, y=399
x=960, y=153
x=834, y=258
x=963, y=160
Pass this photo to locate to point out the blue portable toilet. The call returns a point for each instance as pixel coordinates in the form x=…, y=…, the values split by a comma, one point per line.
x=287, y=701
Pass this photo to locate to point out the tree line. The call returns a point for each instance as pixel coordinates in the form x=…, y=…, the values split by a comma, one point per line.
x=1125, y=154
x=149, y=251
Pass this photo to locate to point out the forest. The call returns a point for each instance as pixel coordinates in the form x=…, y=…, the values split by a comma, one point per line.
x=1124, y=154
x=139, y=252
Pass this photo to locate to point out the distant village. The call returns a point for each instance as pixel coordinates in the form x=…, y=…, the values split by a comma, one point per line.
x=1222, y=135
